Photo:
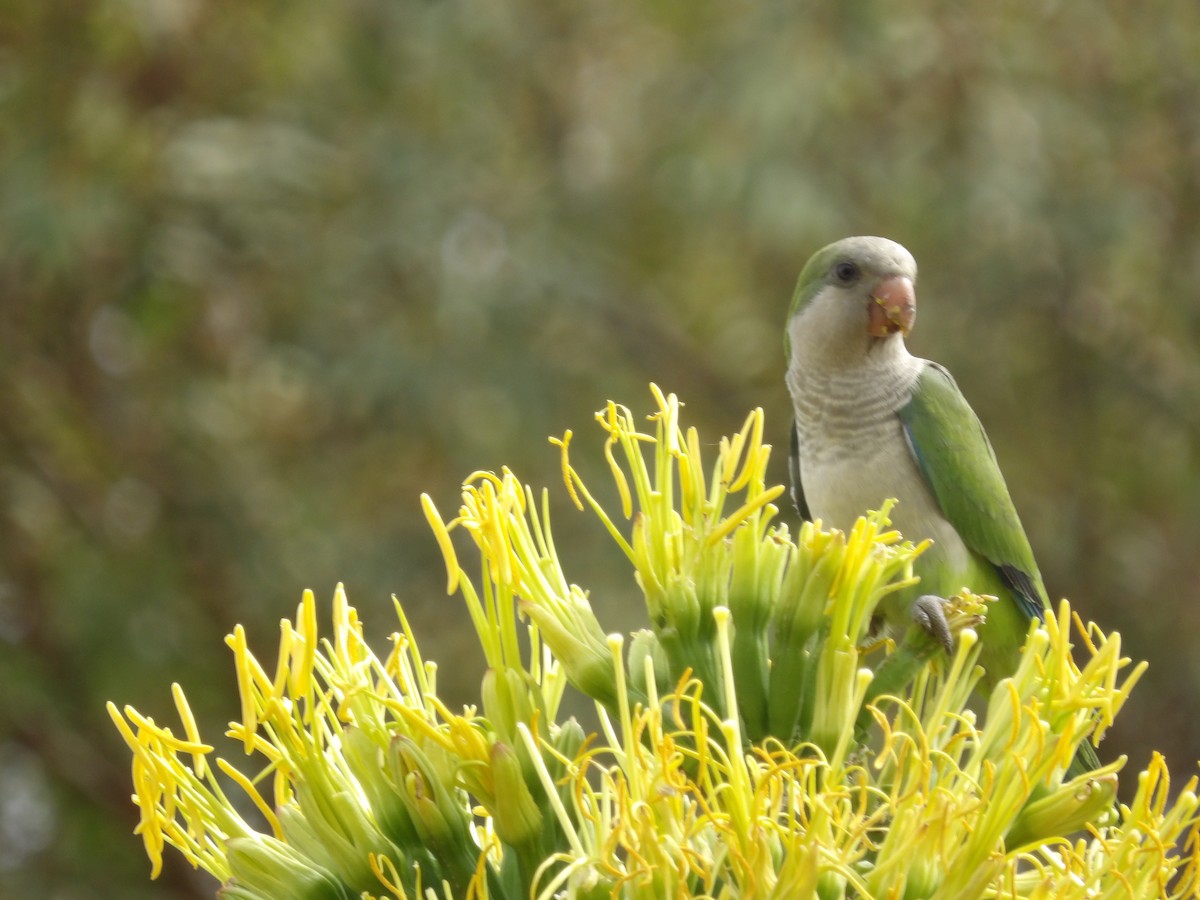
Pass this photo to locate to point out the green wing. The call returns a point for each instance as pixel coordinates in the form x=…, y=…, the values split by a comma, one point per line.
x=794, y=471
x=956, y=458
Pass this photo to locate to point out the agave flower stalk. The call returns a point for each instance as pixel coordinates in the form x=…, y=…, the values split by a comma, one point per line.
x=755, y=741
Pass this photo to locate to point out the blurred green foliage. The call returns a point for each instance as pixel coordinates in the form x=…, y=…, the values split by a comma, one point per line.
x=271, y=269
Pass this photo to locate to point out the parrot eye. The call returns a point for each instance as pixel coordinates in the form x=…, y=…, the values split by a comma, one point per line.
x=846, y=272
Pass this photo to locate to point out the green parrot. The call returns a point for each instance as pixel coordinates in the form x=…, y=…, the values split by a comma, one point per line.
x=874, y=422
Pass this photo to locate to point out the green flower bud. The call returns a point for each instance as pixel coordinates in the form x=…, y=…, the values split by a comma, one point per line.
x=831, y=885
x=336, y=829
x=507, y=700
x=264, y=868
x=1070, y=808
x=368, y=762
x=644, y=645
x=516, y=816
x=581, y=647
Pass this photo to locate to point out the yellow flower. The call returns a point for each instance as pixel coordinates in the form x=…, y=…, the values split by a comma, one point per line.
x=755, y=742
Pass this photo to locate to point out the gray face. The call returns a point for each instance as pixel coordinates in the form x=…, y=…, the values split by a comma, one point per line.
x=850, y=296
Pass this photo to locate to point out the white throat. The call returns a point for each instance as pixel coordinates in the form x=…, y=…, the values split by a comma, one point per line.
x=846, y=397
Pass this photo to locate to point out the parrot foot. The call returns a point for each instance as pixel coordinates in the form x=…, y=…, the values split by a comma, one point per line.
x=928, y=611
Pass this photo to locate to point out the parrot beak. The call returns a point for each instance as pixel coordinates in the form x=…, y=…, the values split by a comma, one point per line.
x=893, y=307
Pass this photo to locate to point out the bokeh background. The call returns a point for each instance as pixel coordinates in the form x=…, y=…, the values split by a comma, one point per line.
x=271, y=269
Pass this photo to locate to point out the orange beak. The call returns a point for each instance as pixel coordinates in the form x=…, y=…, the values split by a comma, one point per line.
x=893, y=307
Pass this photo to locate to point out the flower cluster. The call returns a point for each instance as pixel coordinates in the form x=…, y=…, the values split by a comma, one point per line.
x=754, y=741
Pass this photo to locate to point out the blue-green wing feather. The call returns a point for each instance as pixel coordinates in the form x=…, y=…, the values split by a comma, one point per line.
x=794, y=471
x=957, y=461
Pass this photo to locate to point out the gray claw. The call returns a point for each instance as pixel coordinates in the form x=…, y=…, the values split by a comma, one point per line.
x=929, y=613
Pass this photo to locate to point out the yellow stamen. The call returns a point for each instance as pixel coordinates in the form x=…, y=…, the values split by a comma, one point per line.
x=252, y=792
x=453, y=572
x=189, y=728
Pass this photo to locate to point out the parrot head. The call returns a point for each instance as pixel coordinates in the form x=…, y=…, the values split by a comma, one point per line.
x=855, y=292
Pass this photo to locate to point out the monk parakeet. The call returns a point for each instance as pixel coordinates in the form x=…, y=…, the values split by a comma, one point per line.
x=874, y=422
